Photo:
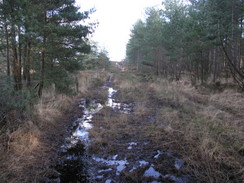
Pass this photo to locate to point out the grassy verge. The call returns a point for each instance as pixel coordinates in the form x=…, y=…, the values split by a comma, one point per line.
x=204, y=129
x=29, y=144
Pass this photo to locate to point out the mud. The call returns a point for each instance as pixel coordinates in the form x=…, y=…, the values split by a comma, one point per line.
x=130, y=158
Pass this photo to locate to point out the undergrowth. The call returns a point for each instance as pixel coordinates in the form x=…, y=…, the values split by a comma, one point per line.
x=31, y=131
x=204, y=128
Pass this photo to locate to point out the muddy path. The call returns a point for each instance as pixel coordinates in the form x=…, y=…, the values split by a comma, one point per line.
x=110, y=142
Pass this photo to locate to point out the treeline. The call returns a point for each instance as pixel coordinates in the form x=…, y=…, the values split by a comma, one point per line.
x=204, y=38
x=42, y=42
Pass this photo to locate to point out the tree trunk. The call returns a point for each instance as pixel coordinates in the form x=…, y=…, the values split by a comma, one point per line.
x=16, y=63
x=214, y=65
x=42, y=61
x=20, y=50
x=7, y=48
x=27, y=73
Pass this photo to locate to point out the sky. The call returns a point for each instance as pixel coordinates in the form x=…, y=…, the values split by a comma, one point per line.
x=116, y=19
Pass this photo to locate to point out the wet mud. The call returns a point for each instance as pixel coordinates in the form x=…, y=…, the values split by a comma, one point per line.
x=132, y=160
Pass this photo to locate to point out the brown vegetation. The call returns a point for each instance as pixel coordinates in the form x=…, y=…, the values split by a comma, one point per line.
x=30, y=145
x=203, y=128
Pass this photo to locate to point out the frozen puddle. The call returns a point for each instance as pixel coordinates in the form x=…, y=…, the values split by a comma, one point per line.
x=121, y=107
x=83, y=124
x=131, y=144
x=151, y=172
x=178, y=162
x=72, y=166
x=119, y=164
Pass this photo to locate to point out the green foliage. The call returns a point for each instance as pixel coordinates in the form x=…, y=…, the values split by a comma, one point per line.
x=64, y=81
x=196, y=38
x=46, y=35
x=10, y=99
x=97, y=58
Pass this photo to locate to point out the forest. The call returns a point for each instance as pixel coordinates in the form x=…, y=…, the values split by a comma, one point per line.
x=171, y=111
x=203, y=40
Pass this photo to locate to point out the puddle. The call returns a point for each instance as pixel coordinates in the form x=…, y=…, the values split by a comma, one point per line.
x=73, y=163
x=126, y=108
x=119, y=164
x=151, y=172
x=81, y=134
x=118, y=107
x=71, y=167
x=157, y=156
x=178, y=163
x=131, y=144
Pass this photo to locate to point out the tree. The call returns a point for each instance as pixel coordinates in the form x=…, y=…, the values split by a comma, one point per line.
x=45, y=36
x=204, y=39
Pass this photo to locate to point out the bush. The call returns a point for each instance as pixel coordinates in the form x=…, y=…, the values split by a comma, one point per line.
x=10, y=99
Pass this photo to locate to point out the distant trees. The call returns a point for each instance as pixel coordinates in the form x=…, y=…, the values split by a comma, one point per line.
x=41, y=41
x=205, y=39
x=97, y=58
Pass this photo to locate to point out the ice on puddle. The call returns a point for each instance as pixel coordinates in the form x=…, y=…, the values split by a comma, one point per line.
x=84, y=123
x=124, y=108
x=108, y=181
x=81, y=134
x=178, y=163
x=105, y=170
x=131, y=144
x=143, y=163
x=151, y=172
x=99, y=177
x=120, y=168
x=157, y=155
x=119, y=163
x=111, y=92
x=176, y=179
x=87, y=125
x=134, y=168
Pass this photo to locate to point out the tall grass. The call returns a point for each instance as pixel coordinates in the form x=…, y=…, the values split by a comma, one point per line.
x=28, y=147
x=206, y=128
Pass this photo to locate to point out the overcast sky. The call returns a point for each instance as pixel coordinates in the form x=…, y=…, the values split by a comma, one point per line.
x=115, y=18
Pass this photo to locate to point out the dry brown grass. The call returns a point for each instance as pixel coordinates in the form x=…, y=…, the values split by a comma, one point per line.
x=205, y=129
x=107, y=128
x=87, y=78
x=31, y=145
